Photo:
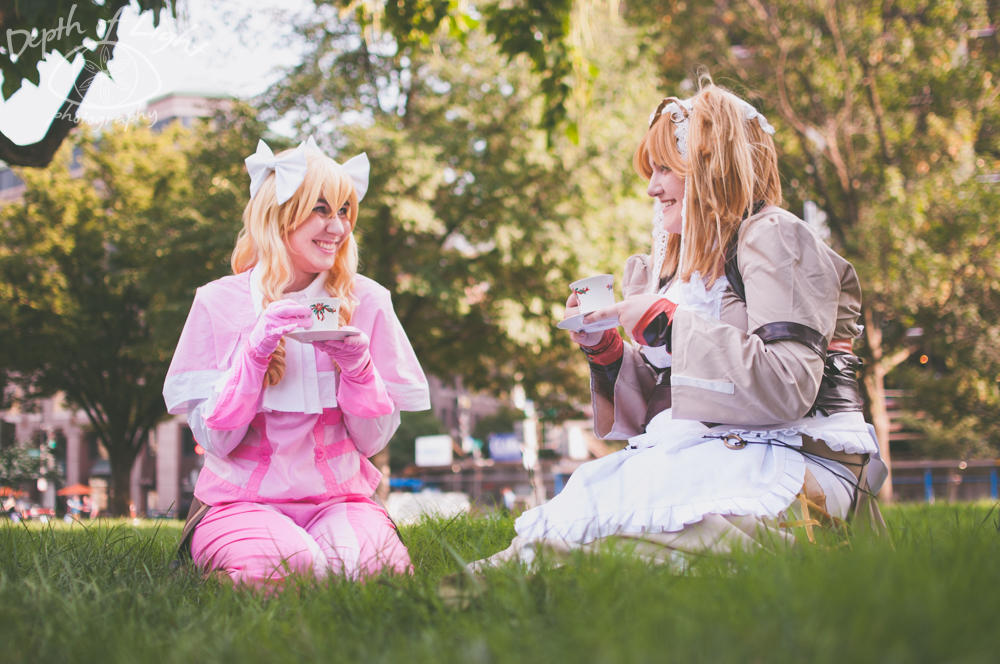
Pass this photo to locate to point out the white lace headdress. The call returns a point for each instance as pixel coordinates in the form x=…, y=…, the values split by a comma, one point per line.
x=678, y=111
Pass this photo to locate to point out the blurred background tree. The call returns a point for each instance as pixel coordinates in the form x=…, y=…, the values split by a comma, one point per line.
x=18, y=465
x=99, y=264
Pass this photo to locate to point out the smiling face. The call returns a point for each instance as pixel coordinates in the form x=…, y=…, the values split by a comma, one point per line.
x=668, y=188
x=314, y=244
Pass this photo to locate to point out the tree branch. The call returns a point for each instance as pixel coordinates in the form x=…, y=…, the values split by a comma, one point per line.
x=890, y=362
x=40, y=153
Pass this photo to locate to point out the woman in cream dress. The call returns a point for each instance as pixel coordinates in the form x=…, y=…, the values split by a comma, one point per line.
x=736, y=396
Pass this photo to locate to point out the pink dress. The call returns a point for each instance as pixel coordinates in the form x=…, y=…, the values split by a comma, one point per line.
x=305, y=454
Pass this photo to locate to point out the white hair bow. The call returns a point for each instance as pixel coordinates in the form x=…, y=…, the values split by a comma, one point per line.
x=290, y=170
x=357, y=167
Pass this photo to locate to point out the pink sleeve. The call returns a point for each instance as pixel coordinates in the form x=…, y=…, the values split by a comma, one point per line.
x=194, y=369
x=240, y=397
x=395, y=362
x=364, y=394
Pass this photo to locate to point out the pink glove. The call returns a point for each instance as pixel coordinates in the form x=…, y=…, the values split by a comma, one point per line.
x=350, y=353
x=361, y=390
x=280, y=318
x=237, y=403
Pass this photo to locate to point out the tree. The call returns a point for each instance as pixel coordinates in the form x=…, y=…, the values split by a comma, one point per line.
x=476, y=218
x=538, y=31
x=887, y=117
x=34, y=29
x=99, y=263
x=18, y=466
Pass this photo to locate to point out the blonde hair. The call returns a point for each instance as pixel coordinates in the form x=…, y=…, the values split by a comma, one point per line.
x=732, y=165
x=267, y=225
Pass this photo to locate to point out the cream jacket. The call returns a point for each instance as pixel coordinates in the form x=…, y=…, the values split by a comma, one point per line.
x=722, y=372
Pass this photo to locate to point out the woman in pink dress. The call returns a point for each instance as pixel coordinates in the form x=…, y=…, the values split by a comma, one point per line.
x=288, y=426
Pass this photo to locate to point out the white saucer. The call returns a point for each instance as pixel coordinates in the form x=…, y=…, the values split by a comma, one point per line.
x=308, y=336
x=576, y=324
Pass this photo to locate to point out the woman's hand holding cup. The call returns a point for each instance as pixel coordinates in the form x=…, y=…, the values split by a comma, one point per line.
x=586, y=339
x=629, y=311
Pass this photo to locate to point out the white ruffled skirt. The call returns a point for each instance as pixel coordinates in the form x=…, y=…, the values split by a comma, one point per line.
x=679, y=472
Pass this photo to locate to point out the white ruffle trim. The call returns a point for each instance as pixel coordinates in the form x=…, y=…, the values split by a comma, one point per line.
x=569, y=516
x=842, y=432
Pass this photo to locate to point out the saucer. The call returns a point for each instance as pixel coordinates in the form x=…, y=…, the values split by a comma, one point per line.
x=308, y=336
x=576, y=324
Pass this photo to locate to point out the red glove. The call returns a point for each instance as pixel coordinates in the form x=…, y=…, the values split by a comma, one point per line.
x=606, y=351
x=653, y=328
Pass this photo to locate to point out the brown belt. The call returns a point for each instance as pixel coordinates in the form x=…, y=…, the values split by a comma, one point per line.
x=854, y=462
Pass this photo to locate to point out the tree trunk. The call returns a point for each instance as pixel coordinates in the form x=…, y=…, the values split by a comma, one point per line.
x=874, y=381
x=120, y=487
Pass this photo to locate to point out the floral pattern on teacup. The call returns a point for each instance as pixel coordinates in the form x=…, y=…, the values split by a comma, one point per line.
x=320, y=310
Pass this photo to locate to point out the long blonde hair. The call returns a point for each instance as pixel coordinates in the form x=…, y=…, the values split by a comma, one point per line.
x=732, y=165
x=267, y=225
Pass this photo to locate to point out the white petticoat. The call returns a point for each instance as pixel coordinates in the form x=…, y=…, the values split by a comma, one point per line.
x=679, y=471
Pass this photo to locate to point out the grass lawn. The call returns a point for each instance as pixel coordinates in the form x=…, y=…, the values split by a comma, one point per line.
x=106, y=593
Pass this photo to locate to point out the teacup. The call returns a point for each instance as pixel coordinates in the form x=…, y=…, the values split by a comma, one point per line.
x=325, y=311
x=596, y=292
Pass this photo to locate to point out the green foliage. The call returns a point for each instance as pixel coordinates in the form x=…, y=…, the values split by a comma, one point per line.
x=502, y=421
x=99, y=264
x=17, y=465
x=34, y=29
x=537, y=30
x=106, y=593
x=471, y=220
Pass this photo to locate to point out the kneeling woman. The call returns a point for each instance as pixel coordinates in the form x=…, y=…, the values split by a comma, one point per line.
x=737, y=394
x=288, y=426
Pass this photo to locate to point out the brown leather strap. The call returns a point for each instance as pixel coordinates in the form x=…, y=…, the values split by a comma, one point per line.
x=659, y=400
x=195, y=514
x=854, y=462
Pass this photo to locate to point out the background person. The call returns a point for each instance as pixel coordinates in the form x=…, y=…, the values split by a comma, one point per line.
x=737, y=394
x=287, y=426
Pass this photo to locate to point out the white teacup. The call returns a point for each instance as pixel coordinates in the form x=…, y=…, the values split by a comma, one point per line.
x=596, y=292
x=325, y=311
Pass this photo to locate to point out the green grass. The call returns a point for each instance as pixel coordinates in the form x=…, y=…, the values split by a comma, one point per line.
x=106, y=593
